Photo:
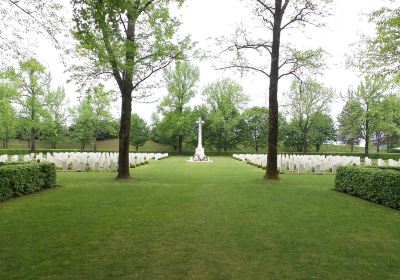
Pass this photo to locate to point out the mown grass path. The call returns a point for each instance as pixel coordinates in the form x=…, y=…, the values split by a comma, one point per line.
x=177, y=220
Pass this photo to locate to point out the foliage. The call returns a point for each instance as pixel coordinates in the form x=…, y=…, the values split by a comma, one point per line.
x=181, y=84
x=140, y=132
x=225, y=100
x=24, y=22
x=8, y=119
x=92, y=116
x=20, y=179
x=350, y=123
x=31, y=84
x=322, y=131
x=254, y=123
x=53, y=128
x=380, y=53
x=307, y=101
x=368, y=96
x=376, y=185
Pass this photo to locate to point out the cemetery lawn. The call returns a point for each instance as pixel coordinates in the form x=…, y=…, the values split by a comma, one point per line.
x=177, y=220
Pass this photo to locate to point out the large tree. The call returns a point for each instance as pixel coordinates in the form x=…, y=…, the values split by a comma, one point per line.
x=274, y=63
x=129, y=41
x=140, y=131
x=254, y=123
x=322, y=131
x=32, y=85
x=92, y=116
x=181, y=85
x=225, y=100
x=369, y=94
x=54, y=127
x=350, y=123
x=389, y=115
x=8, y=119
x=306, y=101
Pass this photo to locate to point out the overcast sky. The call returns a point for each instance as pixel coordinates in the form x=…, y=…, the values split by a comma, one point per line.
x=205, y=19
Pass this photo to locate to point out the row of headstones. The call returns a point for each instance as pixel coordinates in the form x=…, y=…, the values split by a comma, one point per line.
x=301, y=163
x=86, y=161
x=382, y=163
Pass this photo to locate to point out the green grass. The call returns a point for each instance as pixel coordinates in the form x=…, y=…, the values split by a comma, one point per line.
x=177, y=220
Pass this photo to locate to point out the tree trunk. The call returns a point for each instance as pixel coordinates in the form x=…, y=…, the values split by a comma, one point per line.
x=4, y=143
x=352, y=146
x=378, y=144
x=272, y=158
x=137, y=148
x=33, y=140
x=305, y=147
x=318, y=147
x=180, y=142
x=95, y=143
x=123, y=159
x=366, y=150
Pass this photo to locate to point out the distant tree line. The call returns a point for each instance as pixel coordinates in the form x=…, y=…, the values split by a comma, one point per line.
x=31, y=109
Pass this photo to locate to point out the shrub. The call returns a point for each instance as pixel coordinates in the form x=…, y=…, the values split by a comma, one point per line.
x=377, y=185
x=20, y=179
x=48, y=171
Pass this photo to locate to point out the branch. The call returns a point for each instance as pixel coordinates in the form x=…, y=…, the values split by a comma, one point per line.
x=244, y=67
x=154, y=70
x=30, y=14
x=267, y=7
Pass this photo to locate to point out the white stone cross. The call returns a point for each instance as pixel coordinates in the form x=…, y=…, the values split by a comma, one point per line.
x=200, y=122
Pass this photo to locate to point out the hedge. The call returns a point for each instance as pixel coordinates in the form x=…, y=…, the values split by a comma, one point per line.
x=381, y=186
x=20, y=179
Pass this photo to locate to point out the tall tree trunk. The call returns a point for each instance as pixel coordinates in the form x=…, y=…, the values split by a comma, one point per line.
x=352, y=146
x=137, y=148
x=123, y=159
x=272, y=158
x=318, y=147
x=180, y=144
x=33, y=140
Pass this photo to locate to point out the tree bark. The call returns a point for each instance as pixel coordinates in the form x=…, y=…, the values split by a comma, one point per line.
x=124, y=130
x=318, y=147
x=352, y=146
x=33, y=140
x=180, y=144
x=366, y=150
x=272, y=158
x=305, y=147
x=95, y=143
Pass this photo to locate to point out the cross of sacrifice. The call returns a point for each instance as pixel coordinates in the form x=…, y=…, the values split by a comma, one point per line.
x=200, y=123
